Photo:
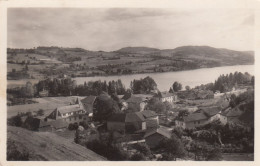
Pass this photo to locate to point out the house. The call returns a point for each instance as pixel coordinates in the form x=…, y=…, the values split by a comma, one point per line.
x=70, y=114
x=201, y=117
x=134, y=102
x=44, y=93
x=151, y=119
x=87, y=104
x=232, y=114
x=126, y=122
x=169, y=97
x=153, y=137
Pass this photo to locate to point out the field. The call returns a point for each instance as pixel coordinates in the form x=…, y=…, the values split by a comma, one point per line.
x=48, y=104
x=49, y=146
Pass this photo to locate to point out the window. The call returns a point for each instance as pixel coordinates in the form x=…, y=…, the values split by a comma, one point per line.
x=198, y=122
x=80, y=117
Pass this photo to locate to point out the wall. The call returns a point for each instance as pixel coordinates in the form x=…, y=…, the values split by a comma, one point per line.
x=193, y=124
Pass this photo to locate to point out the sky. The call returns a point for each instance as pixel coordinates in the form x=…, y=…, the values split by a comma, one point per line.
x=110, y=29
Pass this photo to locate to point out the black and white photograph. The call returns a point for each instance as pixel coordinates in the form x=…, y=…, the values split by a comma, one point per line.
x=130, y=84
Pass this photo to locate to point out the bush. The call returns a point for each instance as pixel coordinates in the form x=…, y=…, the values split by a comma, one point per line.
x=84, y=124
x=111, y=152
x=138, y=157
x=143, y=148
x=73, y=126
x=15, y=121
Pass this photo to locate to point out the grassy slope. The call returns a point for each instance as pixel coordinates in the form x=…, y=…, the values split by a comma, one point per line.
x=49, y=146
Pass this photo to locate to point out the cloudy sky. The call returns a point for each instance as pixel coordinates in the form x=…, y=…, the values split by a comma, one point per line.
x=114, y=28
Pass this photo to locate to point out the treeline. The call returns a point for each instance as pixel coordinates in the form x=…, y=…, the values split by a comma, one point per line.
x=227, y=82
x=67, y=87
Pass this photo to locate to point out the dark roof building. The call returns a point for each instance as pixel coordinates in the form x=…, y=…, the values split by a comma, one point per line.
x=153, y=137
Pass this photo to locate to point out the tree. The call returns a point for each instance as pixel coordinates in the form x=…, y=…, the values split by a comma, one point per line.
x=29, y=90
x=182, y=114
x=176, y=86
x=156, y=105
x=145, y=85
x=173, y=147
x=187, y=88
x=103, y=107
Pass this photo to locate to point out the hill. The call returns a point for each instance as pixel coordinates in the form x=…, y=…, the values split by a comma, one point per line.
x=49, y=146
x=137, y=50
x=77, y=62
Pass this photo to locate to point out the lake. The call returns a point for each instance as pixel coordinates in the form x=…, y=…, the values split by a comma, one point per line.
x=165, y=80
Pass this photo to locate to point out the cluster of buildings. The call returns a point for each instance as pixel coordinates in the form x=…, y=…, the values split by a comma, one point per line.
x=135, y=125
x=206, y=115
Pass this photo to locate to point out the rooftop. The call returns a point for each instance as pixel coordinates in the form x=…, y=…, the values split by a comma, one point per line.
x=69, y=108
x=128, y=117
x=162, y=131
x=195, y=117
x=167, y=94
x=148, y=114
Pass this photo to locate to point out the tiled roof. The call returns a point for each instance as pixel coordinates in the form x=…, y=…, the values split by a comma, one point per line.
x=88, y=100
x=134, y=117
x=195, y=117
x=167, y=94
x=69, y=108
x=134, y=99
x=234, y=113
x=148, y=114
x=161, y=131
x=128, y=117
x=211, y=111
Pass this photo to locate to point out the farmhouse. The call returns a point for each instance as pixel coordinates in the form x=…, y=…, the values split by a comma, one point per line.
x=126, y=122
x=135, y=102
x=201, y=117
x=70, y=114
x=87, y=104
x=169, y=97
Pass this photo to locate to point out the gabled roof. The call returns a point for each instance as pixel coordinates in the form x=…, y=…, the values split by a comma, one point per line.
x=195, y=117
x=88, y=100
x=69, y=108
x=234, y=113
x=134, y=99
x=211, y=111
x=161, y=131
x=167, y=94
x=128, y=117
x=148, y=114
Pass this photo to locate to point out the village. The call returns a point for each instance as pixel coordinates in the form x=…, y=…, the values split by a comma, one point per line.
x=146, y=124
